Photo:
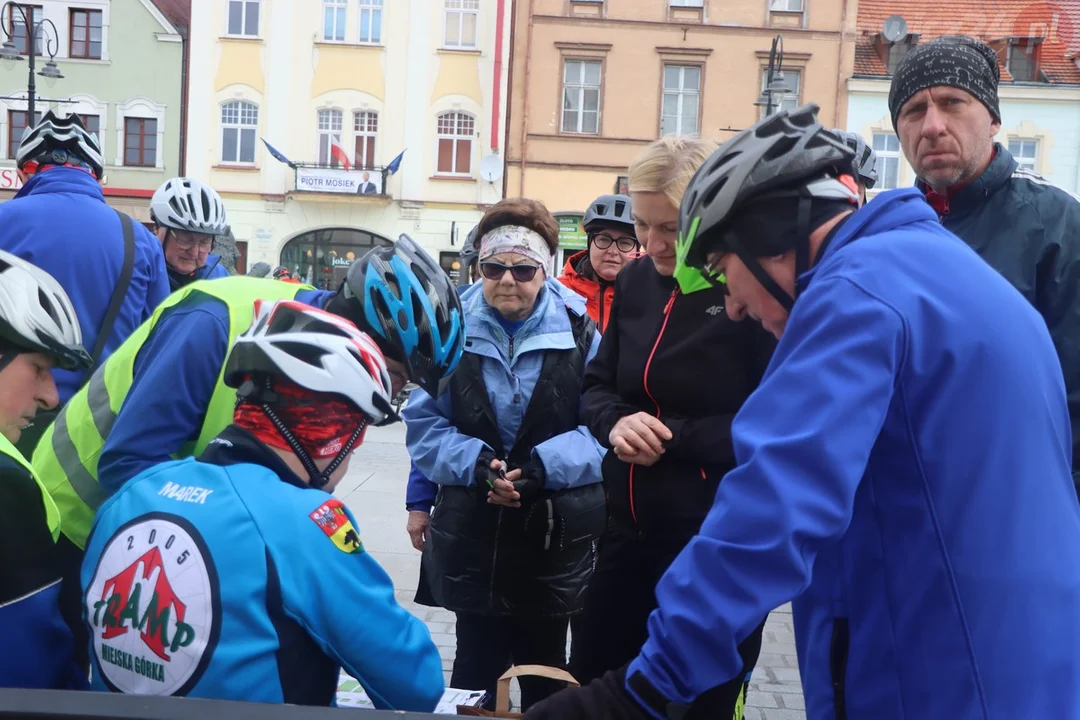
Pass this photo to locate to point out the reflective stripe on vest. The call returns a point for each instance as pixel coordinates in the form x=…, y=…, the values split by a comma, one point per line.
x=66, y=458
x=52, y=515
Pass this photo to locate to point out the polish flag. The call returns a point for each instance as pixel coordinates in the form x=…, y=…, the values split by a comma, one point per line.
x=338, y=153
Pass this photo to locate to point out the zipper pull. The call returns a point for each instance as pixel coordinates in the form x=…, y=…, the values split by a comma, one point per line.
x=671, y=301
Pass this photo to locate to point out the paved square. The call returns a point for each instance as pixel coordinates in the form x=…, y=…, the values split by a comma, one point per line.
x=374, y=490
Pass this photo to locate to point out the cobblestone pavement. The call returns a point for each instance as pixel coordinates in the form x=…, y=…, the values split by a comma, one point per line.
x=374, y=490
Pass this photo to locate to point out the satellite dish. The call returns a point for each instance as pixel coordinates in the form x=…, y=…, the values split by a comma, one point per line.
x=491, y=168
x=895, y=28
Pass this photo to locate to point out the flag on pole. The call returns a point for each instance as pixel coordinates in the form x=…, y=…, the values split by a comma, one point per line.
x=395, y=163
x=276, y=154
x=338, y=153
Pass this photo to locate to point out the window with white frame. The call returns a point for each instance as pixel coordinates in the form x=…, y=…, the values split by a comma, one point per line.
x=1025, y=152
x=786, y=5
x=239, y=126
x=455, y=132
x=334, y=20
x=244, y=18
x=460, y=18
x=581, y=96
x=682, y=98
x=887, y=147
x=365, y=129
x=791, y=81
x=371, y=21
x=688, y=3
x=329, y=134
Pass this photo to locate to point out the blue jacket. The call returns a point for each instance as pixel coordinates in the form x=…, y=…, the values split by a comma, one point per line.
x=228, y=578
x=175, y=374
x=212, y=269
x=59, y=221
x=511, y=368
x=904, y=477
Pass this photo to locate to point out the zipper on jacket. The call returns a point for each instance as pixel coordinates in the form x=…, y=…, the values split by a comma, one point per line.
x=645, y=383
x=511, y=339
x=838, y=657
x=494, y=560
x=600, y=320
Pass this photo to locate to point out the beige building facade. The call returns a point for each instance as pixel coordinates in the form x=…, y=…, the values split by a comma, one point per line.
x=593, y=82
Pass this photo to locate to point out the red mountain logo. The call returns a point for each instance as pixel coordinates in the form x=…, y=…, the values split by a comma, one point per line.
x=141, y=598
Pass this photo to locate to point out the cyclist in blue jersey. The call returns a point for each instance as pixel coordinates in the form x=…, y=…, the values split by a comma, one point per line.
x=188, y=216
x=38, y=331
x=238, y=575
x=59, y=222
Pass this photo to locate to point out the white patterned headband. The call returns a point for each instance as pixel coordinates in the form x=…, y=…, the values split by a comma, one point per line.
x=516, y=240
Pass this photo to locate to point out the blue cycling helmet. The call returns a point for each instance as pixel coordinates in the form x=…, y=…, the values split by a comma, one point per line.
x=411, y=308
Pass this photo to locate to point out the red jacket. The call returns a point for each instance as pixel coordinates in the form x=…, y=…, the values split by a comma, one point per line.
x=597, y=293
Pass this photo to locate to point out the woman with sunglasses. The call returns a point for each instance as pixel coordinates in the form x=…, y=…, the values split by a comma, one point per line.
x=520, y=506
x=591, y=273
x=670, y=375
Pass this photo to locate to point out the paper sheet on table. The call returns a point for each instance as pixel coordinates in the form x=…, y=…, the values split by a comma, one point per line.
x=351, y=695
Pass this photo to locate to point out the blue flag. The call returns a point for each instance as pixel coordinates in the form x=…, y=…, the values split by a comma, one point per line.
x=277, y=154
x=395, y=163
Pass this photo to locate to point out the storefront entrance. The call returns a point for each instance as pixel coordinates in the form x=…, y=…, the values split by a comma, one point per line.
x=322, y=257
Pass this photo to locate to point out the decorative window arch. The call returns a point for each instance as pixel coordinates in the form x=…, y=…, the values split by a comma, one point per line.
x=239, y=131
x=139, y=110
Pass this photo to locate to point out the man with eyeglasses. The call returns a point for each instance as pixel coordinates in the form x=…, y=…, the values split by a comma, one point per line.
x=612, y=243
x=188, y=215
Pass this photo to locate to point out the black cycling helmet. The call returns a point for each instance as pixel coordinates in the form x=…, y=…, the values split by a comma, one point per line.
x=785, y=156
x=864, y=165
x=282, y=272
x=401, y=296
x=609, y=210
x=60, y=141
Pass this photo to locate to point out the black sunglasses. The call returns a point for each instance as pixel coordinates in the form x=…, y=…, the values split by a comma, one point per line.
x=624, y=244
x=496, y=271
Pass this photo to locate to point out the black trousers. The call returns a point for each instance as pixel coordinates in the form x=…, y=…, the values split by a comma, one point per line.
x=612, y=628
x=488, y=645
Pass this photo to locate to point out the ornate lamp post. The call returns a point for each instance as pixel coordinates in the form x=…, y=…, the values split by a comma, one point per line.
x=35, y=32
x=774, y=79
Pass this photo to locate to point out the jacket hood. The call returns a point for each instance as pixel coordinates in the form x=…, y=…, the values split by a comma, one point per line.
x=889, y=211
x=62, y=180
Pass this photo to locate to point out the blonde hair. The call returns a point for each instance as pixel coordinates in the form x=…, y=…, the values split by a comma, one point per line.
x=667, y=165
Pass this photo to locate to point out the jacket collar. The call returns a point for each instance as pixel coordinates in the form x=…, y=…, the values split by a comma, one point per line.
x=235, y=446
x=547, y=328
x=963, y=200
x=62, y=180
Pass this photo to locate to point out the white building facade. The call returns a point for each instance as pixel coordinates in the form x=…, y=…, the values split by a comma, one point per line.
x=330, y=82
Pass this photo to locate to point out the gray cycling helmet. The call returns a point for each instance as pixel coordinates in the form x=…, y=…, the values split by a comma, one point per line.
x=469, y=252
x=60, y=141
x=259, y=269
x=864, y=165
x=786, y=156
x=609, y=209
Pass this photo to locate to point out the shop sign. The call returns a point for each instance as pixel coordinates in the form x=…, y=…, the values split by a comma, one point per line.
x=339, y=180
x=9, y=179
x=571, y=234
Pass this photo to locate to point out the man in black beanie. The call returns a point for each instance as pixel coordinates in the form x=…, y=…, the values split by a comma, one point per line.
x=944, y=107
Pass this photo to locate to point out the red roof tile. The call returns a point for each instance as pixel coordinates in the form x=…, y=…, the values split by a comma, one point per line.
x=178, y=12
x=1057, y=21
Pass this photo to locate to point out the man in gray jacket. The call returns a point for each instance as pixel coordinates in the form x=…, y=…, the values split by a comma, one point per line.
x=944, y=106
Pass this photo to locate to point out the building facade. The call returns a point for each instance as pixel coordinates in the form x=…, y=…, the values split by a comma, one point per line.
x=335, y=83
x=1038, y=46
x=596, y=81
x=122, y=66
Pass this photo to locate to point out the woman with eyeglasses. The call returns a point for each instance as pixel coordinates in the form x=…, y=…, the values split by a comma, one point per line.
x=609, y=226
x=671, y=373
x=519, y=508
x=188, y=215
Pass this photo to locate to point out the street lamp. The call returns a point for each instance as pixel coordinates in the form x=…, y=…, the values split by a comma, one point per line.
x=774, y=78
x=34, y=32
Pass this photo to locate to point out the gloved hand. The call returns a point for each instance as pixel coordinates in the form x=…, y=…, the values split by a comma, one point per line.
x=483, y=475
x=532, y=481
x=605, y=698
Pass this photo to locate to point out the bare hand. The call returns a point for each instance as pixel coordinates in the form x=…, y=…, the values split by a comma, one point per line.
x=419, y=528
x=639, y=439
x=503, y=492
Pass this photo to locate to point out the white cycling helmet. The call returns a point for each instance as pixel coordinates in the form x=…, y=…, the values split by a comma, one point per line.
x=187, y=204
x=60, y=141
x=36, y=314
x=316, y=350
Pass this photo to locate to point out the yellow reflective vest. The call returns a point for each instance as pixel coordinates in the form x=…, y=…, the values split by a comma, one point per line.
x=66, y=458
x=52, y=514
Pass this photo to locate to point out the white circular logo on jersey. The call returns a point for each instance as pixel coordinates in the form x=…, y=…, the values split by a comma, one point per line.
x=153, y=607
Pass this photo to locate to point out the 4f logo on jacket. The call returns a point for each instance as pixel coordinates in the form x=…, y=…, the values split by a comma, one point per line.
x=150, y=606
x=334, y=521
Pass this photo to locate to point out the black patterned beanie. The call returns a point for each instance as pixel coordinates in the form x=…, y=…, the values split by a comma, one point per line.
x=955, y=61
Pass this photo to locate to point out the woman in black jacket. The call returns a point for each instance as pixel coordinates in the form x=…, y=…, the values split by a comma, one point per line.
x=671, y=372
